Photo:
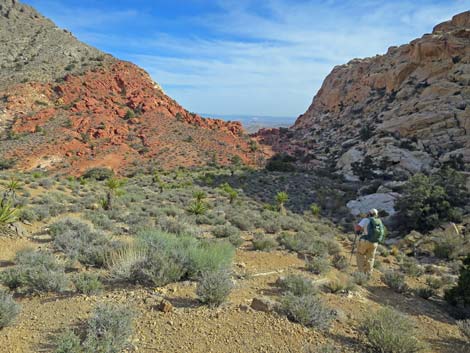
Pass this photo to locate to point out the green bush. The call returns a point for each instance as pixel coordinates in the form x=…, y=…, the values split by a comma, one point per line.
x=304, y=242
x=87, y=283
x=411, y=267
x=307, y=310
x=428, y=201
x=67, y=342
x=360, y=278
x=214, y=287
x=225, y=231
x=35, y=271
x=318, y=265
x=340, y=262
x=425, y=292
x=297, y=285
x=388, y=331
x=98, y=174
x=395, y=280
x=263, y=242
x=9, y=309
x=459, y=295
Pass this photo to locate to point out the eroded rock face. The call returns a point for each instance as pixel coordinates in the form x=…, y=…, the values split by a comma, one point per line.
x=417, y=95
x=380, y=201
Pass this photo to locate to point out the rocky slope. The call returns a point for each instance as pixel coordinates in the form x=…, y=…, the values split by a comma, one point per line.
x=69, y=107
x=409, y=110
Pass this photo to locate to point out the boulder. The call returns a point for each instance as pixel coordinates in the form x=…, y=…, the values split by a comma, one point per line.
x=380, y=201
x=263, y=304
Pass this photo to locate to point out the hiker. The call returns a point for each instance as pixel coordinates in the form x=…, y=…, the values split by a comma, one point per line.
x=373, y=233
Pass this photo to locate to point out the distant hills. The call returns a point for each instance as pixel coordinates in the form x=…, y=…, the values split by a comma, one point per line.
x=252, y=123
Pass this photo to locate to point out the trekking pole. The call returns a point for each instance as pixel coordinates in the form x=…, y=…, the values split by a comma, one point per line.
x=356, y=234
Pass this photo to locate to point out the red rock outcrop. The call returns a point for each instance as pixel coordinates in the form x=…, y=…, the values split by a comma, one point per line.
x=115, y=116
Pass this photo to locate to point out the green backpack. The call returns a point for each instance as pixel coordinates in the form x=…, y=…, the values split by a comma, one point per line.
x=375, y=230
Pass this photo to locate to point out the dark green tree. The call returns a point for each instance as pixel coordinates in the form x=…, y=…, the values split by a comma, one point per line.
x=460, y=294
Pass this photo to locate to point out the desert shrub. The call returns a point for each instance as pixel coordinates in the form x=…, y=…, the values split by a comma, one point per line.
x=304, y=242
x=158, y=269
x=240, y=220
x=434, y=282
x=428, y=201
x=281, y=163
x=318, y=265
x=162, y=258
x=67, y=342
x=178, y=226
x=459, y=295
x=464, y=326
x=360, y=278
x=449, y=246
x=326, y=348
x=315, y=208
x=297, y=285
x=411, y=267
x=395, y=280
x=79, y=241
x=342, y=283
x=122, y=262
x=87, y=283
x=340, y=262
x=388, y=331
x=9, y=309
x=98, y=174
x=6, y=163
x=108, y=329
x=225, y=231
x=35, y=271
x=235, y=239
x=214, y=287
x=28, y=214
x=425, y=292
x=263, y=242
x=307, y=310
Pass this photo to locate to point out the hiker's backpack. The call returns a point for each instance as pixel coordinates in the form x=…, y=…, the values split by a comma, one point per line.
x=375, y=230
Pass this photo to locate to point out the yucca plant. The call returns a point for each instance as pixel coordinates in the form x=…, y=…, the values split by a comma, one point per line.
x=281, y=199
x=114, y=189
x=198, y=207
x=199, y=195
x=8, y=214
x=10, y=193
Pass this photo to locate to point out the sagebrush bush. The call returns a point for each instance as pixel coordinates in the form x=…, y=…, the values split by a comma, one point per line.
x=360, y=278
x=9, y=309
x=340, y=284
x=108, y=329
x=340, y=262
x=307, y=310
x=425, y=292
x=225, y=231
x=297, y=285
x=88, y=283
x=388, y=331
x=122, y=262
x=214, y=287
x=411, y=267
x=79, y=241
x=263, y=242
x=67, y=342
x=395, y=280
x=35, y=271
x=304, y=242
x=318, y=265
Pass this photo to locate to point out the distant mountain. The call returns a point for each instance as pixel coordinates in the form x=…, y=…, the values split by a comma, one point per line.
x=66, y=106
x=252, y=123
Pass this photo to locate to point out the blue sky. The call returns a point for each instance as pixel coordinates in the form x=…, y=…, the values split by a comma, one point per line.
x=250, y=57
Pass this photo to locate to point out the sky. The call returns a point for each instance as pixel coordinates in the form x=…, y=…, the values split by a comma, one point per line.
x=245, y=57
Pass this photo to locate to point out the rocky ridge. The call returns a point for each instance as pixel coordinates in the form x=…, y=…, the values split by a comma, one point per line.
x=407, y=110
